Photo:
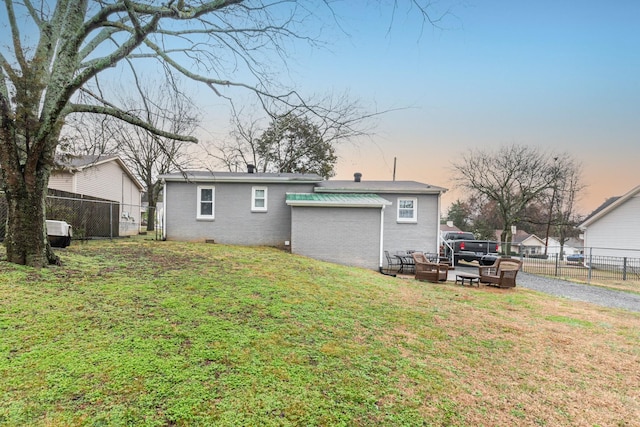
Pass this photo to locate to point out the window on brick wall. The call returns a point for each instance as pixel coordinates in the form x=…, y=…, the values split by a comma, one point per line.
x=206, y=202
x=407, y=209
x=259, y=199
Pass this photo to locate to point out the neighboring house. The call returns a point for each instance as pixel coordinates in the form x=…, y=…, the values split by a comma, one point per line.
x=571, y=246
x=105, y=177
x=524, y=243
x=576, y=244
x=530, y=244
x=527, y=244
x=346, y=222
x=613, y=229
x=444, y=228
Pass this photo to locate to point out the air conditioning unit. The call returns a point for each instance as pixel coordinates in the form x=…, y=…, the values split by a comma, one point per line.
x=59, y=233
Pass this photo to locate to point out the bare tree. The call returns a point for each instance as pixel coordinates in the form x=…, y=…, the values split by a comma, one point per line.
x=56, y=70
x=296, y=140
x=241, y=150
x=512, y=176
x=567, y=188
x=145, y=153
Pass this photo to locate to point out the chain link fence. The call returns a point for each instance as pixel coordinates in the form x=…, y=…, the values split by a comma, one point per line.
x=92, y=217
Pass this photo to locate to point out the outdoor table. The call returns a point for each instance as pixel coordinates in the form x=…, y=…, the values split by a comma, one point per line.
x=406, y=261
x=470, y=277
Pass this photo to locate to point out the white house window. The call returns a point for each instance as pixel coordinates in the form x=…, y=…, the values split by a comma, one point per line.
x=206, y=202
x=259, y=199
x=407, y=210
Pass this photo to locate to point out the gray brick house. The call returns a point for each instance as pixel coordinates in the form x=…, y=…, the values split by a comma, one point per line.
x=346, y=222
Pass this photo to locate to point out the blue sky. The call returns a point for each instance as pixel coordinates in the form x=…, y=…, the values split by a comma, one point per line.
x=561, y=75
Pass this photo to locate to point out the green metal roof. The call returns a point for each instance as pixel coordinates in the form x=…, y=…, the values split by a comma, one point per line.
x=338, y=200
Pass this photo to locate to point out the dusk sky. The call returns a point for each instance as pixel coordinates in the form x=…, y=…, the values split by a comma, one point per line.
x=560, y=75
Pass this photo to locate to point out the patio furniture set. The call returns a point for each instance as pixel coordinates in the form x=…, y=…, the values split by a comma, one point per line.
x=502, y=273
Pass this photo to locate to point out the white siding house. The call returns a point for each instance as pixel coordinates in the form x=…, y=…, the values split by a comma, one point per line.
x=553, y=248
x=105, y=177
x=614, y=228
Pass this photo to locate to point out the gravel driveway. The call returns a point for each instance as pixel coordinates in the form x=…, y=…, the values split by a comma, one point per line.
x=570, y=290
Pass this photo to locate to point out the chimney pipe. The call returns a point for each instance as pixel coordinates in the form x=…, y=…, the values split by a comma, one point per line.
x=251, y=168
x=357, y=176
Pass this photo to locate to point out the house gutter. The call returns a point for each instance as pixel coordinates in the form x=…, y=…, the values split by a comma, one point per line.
x=380, y=261
x=164, y=210
x=380, y=254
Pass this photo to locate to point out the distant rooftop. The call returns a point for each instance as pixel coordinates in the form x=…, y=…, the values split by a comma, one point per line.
x=81, y=161
x=78, y=163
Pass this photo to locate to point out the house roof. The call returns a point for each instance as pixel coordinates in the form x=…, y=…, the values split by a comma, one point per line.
x=80, y=162
x=336, y=200
x=532, y=239
x=446, y=227
x=574, y=242
x=520, y=237
x=379, y=187
x=75, y=164
x=609, y=205
x=210, y=176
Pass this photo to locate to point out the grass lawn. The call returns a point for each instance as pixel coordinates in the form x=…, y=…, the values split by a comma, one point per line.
x=140, y=332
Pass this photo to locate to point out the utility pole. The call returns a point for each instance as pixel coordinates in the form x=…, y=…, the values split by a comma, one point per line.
x=394, y=168
x=553, y=197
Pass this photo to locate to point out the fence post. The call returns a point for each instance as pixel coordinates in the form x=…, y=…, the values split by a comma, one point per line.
x=556, y=272
x=624, y=268
x=589, y=267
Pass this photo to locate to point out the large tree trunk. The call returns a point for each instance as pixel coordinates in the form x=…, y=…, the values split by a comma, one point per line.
x=26, y=234
x=151, y=215
x=153, y=191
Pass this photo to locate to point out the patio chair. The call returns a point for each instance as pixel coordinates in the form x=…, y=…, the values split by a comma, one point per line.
x=430, y=271
x=393, y=263
x=501, y=273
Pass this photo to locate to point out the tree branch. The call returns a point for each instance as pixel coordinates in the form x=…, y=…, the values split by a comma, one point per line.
x=125, y=49
x=15, y=36
x=33, y=13
x=129, y=118
x=10, y=72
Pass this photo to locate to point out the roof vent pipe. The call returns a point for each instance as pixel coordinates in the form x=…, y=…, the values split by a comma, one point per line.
x=357, y=176
x=251, y=168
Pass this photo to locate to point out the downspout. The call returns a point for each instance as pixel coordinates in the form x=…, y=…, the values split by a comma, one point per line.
x=438, y=236
x=381, y=255
x=164, y=210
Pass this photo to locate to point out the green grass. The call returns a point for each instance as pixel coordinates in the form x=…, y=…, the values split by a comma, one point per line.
x=140, y=332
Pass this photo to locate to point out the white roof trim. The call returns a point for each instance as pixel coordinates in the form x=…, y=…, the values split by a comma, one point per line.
x=610, y=208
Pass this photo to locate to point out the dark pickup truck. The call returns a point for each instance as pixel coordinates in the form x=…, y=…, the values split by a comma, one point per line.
x=466, y=247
